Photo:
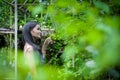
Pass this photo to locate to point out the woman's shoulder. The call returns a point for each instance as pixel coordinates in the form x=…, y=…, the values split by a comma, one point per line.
x=28, y=48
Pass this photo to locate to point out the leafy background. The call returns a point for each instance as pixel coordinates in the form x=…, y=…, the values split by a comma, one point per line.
x=86, y=40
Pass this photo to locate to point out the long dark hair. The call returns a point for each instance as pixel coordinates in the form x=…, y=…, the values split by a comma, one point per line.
x=27, y=37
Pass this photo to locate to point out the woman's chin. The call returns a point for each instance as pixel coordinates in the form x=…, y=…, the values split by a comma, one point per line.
x=39, y=37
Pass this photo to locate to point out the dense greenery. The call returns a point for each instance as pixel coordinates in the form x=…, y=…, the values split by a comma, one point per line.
x=4, y=18
x=86, y=40
x=91, y=31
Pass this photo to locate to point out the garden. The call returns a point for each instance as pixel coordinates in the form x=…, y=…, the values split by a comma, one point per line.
x=85, y=35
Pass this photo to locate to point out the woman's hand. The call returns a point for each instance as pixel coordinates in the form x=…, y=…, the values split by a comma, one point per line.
x=45, y=44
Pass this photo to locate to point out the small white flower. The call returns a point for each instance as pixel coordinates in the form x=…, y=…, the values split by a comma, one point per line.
x=90, y=64
x=92, y=50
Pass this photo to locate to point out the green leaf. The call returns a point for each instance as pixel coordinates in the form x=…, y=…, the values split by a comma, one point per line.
x=102, y=6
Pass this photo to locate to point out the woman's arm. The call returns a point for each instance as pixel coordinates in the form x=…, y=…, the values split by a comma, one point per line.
x=29, y=57
x=45, y=44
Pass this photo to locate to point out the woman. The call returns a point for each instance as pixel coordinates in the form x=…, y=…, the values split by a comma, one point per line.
x=32, y=52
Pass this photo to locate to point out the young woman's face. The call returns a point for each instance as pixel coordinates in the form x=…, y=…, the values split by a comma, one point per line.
x=36, y=31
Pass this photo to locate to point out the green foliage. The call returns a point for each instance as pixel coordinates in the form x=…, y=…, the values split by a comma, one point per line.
x=86, y=34
x=82, y=25
x=36, y=9
x=102, y=6
x=6, y=66
x=4, y=18
x=54, y=52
